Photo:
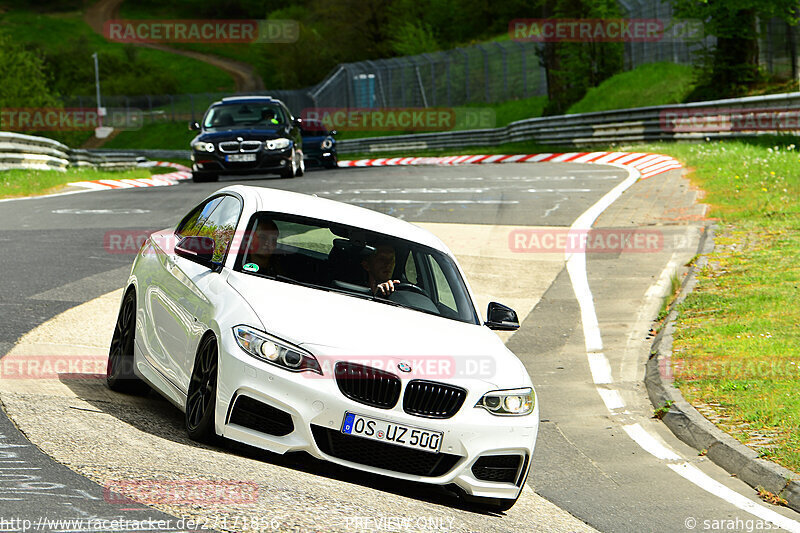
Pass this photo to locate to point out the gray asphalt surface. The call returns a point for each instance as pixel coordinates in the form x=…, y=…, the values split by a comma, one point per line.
x=54, y=259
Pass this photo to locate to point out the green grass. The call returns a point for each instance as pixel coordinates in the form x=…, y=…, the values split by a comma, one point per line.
x=159, y=136
x=737, y=340
x=647, y=85
x=15, y=183
x=53, y=32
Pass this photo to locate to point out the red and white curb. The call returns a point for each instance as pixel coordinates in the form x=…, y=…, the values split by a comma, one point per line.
x=159, y=180
x=647, y=164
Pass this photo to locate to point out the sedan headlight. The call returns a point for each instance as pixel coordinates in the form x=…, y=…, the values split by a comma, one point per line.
x=327, y=143
x=201, y=146
x=513, y=402
x=278, y=144
x=272, y=350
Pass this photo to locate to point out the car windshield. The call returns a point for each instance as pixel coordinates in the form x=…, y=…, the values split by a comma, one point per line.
x=244, y=114
x=352, y=261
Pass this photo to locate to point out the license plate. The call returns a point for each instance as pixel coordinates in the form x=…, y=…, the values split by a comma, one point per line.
x=399, y=434
x=239, y=158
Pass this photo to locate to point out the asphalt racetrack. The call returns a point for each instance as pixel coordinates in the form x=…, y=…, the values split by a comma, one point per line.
x=601, y=460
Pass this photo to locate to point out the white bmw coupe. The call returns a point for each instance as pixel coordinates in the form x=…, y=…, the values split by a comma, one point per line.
x=295, y=323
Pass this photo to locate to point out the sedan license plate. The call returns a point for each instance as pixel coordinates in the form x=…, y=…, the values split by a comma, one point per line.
x=381, y=430
x=240, y=158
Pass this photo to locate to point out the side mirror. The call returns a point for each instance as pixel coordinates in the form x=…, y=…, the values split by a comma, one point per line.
x=193, y=126
x=197, y=249
x=501, y=318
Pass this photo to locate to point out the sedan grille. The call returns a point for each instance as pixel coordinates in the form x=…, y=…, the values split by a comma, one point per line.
x=382, y=455
x=250, y=146
x=433, y=400
x=368, y=385
x=229, y=147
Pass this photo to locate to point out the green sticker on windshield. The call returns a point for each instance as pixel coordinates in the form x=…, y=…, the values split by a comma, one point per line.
x=251, y=267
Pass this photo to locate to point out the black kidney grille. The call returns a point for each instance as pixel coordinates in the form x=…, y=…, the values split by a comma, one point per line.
x=261, y=417
x=497, y=468
x=432, y=400
x=368, y=385
x=382, y=455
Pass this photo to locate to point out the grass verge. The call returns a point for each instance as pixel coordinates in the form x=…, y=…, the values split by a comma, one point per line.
x=15, y=183
x=158, y=136
x=737, y=338
x=134, y=71
x=647, y=85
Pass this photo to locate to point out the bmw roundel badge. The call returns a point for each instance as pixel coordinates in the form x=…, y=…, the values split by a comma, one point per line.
x=404, y=367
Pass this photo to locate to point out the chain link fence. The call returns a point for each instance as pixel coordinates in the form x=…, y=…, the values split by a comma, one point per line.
x=492, y=72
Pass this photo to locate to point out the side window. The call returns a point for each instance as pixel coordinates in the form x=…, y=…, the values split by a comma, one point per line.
x=192, y=223
x=221, y=225
x=410, y=269
x=443, y=291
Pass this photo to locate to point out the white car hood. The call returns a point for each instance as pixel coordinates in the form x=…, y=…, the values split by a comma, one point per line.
x=350, y=328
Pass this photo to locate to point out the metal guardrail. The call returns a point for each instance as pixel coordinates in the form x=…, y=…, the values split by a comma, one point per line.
x=644, y=124
x=40, y=153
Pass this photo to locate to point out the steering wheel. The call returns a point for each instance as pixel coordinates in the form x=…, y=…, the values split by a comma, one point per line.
x=403, y=286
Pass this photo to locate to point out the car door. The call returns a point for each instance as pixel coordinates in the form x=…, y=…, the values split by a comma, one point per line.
x=178, y=305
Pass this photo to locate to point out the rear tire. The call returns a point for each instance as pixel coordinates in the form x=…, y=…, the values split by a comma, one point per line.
x=204, y=177
x=202, y=396
x=120, y=376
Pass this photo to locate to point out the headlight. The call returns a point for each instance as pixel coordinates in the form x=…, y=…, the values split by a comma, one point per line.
x=280, y=353
x=201, y=146
x=514, y=402
x=278, y=144
x=327, y=143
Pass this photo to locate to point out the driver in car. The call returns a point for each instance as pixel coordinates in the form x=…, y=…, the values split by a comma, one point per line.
x=268, y=116
x=261, y=252
x=380, y=267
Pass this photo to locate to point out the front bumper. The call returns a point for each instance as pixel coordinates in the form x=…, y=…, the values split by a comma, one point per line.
x=316, y=405
x=324, y=158
x=266, y=162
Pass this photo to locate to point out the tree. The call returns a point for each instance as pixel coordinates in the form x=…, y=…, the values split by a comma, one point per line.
x=573, y=67
x=25, y=82
x=734, y=61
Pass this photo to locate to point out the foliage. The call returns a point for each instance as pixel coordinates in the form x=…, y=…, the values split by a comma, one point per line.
x=573, y=67
x=732, y=66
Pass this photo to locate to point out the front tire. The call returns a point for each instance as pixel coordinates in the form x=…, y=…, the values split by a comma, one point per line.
x=120, y=376
x=291, y=170
x=202, y=396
